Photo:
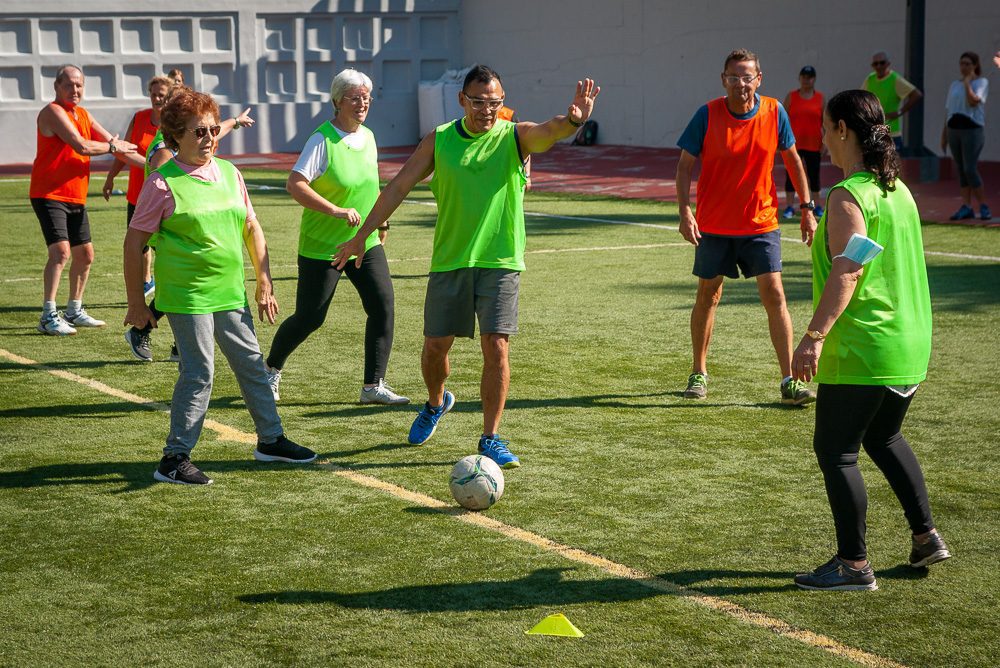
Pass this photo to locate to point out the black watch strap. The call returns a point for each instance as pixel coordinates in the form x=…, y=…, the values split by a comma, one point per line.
x=810, y=205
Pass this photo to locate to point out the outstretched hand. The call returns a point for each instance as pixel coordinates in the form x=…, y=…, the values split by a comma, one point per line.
x=244, y=120
x=583, y=102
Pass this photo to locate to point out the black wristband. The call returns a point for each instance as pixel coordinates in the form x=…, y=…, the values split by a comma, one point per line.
x=573, y=123
x=383, y=226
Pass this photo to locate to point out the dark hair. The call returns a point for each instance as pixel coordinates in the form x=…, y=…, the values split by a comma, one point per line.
x=183, y=105
x=741, y=56
x=482, y=74
x=974, y=57
x=862, y=113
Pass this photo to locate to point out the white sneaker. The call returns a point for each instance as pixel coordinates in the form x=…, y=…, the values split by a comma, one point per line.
x=274, y=379
x=83, y=319
x=382, y=394
x=53, y=324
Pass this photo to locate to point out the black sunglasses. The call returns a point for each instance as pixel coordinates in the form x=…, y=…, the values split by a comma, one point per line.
x=876, y=63
x=201, y=131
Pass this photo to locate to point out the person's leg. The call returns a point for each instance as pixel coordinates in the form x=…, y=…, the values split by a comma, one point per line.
x=313, y=294
x=194, y=335
x=495, y=381
x=843, y=414
x=974, y=141
x=703, y=320
x=238, y=342
x=79, y=269
x=957, y=146
x=374, y=285
x=58, y=255
x=435, y=367
x=885, y=444
x=779, y=322
x=496, y=296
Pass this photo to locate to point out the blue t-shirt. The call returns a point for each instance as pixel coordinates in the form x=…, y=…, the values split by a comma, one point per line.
x=693, y=137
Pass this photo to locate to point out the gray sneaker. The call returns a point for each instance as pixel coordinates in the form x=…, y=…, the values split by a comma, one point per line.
x=931, y=552
x=53, y=324
x=382, y=394
x=83, y=319
x=795, y=393
x=138, y=340
x=836, y=575
x=274, y=380
x=697, y=386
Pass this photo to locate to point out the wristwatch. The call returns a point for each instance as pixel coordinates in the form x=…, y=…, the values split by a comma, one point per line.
x=810, y=205
x=815, y=335
x=111, y=148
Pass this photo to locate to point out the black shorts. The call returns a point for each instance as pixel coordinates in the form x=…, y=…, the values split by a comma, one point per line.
x=810, y=160
x=62, y=221
x=717, y=255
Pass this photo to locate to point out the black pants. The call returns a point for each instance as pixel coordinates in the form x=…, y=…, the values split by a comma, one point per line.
x=847, y=417
x=317, y=283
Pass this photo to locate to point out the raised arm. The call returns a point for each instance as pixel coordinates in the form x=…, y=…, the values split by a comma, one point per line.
x=235, y=123
x=418, y=167
x=539, y=137
x=116, y=167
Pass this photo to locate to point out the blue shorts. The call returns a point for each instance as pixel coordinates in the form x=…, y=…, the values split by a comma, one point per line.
x=717, y=255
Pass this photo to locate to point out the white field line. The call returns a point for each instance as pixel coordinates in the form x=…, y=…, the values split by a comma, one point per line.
x=615, y=569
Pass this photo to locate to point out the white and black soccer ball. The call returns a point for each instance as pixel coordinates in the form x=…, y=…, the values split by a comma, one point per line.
x=476, y=482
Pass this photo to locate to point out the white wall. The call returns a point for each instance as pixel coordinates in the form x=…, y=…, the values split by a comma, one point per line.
x=658, y=60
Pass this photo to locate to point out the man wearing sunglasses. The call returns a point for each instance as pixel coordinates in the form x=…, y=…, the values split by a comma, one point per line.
x=478, y=167
x=896, y=94
x=736, y=228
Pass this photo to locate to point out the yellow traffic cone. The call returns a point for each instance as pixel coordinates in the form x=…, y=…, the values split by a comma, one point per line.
x=556, y=625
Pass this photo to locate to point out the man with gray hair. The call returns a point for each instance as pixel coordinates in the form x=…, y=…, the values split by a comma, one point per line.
x=67, y=136
x=896, y=94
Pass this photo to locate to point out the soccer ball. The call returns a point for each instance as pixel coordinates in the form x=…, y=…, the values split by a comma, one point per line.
x=476, y=482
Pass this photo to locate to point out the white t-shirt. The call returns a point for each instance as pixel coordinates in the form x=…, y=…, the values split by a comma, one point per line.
x=957, y=104
x=313, y=161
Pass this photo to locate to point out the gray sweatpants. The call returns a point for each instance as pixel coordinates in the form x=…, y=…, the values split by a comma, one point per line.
x=196, y=336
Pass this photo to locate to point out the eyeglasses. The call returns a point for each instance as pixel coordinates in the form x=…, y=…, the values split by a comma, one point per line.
x=879, y=63
x=359, y=99
x=201, y=131
x=732, y=80
x=965, y=62
x=479, y=103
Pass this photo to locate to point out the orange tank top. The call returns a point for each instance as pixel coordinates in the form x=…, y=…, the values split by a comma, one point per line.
x=806, y=118
x=143, y=132
x=736, y=192
x=59, y=172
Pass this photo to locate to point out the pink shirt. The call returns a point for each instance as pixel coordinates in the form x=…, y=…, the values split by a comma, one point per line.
x=156, y=202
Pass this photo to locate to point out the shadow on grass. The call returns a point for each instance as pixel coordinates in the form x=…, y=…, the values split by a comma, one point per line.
x=695, y=578
x=543, y=587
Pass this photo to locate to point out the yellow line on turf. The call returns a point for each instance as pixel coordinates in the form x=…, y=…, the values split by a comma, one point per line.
x=613, y=568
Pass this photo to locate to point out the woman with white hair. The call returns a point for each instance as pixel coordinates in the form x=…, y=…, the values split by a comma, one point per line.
x=336, y=181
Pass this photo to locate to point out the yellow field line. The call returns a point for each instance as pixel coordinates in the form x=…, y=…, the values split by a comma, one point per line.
x=613, y=568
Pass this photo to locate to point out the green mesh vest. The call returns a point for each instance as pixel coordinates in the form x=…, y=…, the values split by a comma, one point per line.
x=157, y=138
x=884, y=335
x=199, y=251
x=478, y=183
x=350, y=182
x=885, y=91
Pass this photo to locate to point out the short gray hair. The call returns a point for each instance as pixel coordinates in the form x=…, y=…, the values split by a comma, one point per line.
x=64, y=71
x=348, y=78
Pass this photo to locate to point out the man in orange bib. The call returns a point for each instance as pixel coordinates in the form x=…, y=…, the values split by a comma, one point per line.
x=736, y=229
x=67, y=137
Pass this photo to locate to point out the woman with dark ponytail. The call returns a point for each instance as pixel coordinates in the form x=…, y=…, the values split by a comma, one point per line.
x=869, y=341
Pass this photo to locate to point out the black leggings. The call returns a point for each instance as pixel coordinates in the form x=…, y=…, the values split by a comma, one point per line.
x=317, y=283
x=847, y=417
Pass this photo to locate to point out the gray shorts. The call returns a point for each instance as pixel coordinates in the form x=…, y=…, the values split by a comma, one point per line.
x=455, y=298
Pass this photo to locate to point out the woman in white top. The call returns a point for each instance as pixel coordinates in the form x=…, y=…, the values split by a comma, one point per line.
x=964, y=132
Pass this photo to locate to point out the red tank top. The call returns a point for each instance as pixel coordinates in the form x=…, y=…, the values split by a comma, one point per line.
x=806, y=118
x=59, y=172
x=143, y=132
x=736, y=193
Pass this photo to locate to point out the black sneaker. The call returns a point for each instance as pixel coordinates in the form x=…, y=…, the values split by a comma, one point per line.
x=931, y=552
x=179, y=470
x=283, y=450
x=138, y=340
x=836, y=575
x=175, y=356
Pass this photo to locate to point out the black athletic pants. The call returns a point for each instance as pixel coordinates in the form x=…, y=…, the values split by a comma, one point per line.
x=851, y=416
x=317, y=284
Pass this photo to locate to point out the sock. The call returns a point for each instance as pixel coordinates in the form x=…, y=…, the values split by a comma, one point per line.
x=73, y=306
x=48, y=307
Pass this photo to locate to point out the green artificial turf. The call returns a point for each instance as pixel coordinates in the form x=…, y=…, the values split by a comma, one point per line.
x=300, y=566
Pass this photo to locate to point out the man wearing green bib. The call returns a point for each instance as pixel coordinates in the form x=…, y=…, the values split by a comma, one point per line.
x=478, y=183
x=896, y=94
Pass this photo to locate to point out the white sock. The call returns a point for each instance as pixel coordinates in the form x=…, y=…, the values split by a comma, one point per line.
x=48, y=307
x=74, y=306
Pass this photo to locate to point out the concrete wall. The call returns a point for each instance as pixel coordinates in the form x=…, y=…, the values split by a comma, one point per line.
x=275, y=56
x=658, y=60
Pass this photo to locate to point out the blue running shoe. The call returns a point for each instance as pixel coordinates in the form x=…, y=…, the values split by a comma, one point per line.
x=818, y=213
x=496, y=449
x=427, y=420
x=789, y=212
x=149, y=287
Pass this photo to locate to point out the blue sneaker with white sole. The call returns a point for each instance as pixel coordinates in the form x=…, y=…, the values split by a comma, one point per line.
x=496, y=449
x=427, y=420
